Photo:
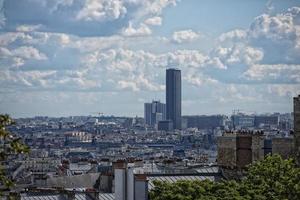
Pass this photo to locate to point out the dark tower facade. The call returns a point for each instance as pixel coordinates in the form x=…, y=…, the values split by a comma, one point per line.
x=173, y=97
x=297, y=128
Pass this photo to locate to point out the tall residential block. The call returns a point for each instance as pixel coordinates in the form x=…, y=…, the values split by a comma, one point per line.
x=154, y=112
x=173, y=97
x=297, y=127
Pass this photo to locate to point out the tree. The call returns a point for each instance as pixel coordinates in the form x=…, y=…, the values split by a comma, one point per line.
x=10, y=145
x=272, y=178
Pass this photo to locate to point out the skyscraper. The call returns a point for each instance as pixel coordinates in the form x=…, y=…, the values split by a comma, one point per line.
x=173, y=97
x=297, y=127
x=147, y=113
x=154, y=112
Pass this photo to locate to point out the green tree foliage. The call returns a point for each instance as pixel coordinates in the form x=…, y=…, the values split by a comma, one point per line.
x=10, y=146
x=272, y=178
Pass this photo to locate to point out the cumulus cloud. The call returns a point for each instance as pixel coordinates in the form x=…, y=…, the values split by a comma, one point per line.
x=103, y=70
x=101, y=10
x=11, y=37
x=276, y=35
x=198, y=79
x=237, y=55
x=84, y=18
x=235, y=35
x=137, y=83
x=154, y=21
x=34, y=79
x=18, y=56
x=267, y=52
x=283, y=90
x=131, y=31
x=28, y=28
x=141, y=70
x=274, y=73
x=155, y=7
x=28, y=52
x=185, y=36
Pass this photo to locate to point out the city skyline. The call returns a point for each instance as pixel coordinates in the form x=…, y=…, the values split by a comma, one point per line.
x=67, y=58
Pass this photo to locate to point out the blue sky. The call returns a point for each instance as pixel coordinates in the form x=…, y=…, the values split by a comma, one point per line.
x=77, y=57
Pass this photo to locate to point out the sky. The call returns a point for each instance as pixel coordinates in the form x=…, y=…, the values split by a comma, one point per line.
x=80, y=57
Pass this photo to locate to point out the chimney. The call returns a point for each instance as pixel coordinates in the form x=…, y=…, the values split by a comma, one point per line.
x=120, y=179
x=141, y=187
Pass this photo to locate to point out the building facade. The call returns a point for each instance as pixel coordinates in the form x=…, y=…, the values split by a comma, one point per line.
x=297, y=127
x=173, y=97
x=242, y=121
x=272, y=120
x=165, y=125
x=237, y=150
x=204, y=121
x=154, y=112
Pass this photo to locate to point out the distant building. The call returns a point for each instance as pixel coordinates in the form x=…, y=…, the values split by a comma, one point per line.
x=271, y=120
x=154, y=112
x=297, y=127
x=173, y=97
x=204, y=121
x=165, y=125
x=242, y=121
x=147, y=113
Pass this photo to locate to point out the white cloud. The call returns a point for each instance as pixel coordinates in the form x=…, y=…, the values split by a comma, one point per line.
x=277, y=27
x=83, y=17
x=137, y=83
x=11, y=37
x=198, y=79
x=274, y=73
x=34, y=79
x=28, y=28
x=102, y=10
x=186, y=58
x=19, y=56
x=278, y=36
x=140, y=70
x=289, y=90
x=104, y=70
x=155, y=7
x=154, y=21
x=235, y=35
x=267, y=52
x=237, y=55
x=185, y=36
x=142, y=30
x=28, y=52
